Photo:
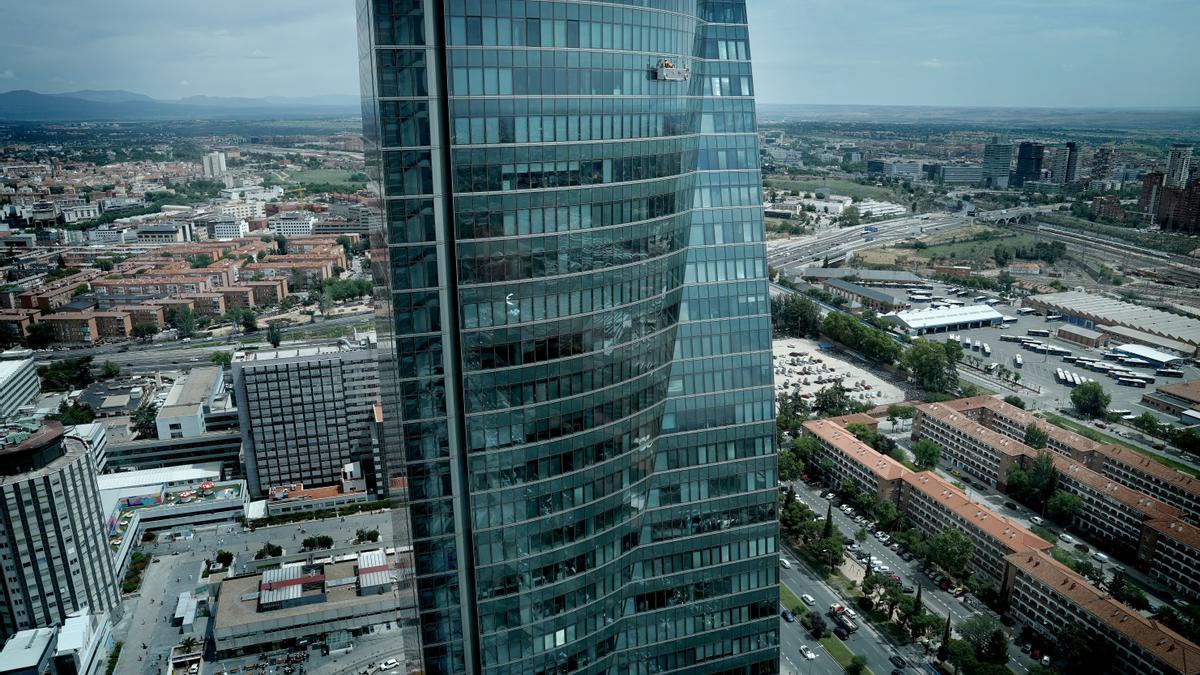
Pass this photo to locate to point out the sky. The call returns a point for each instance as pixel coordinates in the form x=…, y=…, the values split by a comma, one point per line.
x=1023, y=53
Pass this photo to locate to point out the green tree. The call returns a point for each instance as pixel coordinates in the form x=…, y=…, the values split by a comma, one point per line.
x=1014, y=400
x=943, y=651
x=962, y=655
x=274, y=334
x=926, y=453
x=1063, y=507
x=319, y=542
x=268, y=550
x=816, y=625
x=75, y=413
x=931, y=365
x=828, y=531
x=1147, y=422
x=39, y=335
x=200, y=260
x=1035, y=437
x=145, y=421
x=109, y=370
x=850, y=217
x=281, y=244
x=858, y=664
x=224, y=558
x=221, y=358
x=183, y=320
x=951, y=551
x=144, y=330
x=325, y=303
x=1090, y=399
x=987, y=638
x=67, y=374
x=794, y=316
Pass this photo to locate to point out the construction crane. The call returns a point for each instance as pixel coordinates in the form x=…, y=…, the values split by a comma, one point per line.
x=298, y=191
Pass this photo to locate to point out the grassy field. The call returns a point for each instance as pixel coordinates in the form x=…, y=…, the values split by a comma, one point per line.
x=838, y=650
x=976, y=251
x=789, y=600
x=839, y=187
x=1099, y=437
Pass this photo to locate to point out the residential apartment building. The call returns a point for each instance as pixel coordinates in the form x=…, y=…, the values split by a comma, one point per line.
x=214, y=165
x=1170, y=552
x=267, y=293
x=15, y=323
x=1131, y=469
x=1044, y=595
x=304, y=413
x=1111, y=512
x=73, y=328
x=54, y=554
x=243, y=210
x=932, y=504
x=206, y=304
x=850, y=459
x=113, y=325
x=1179, y=162
x=237, y=296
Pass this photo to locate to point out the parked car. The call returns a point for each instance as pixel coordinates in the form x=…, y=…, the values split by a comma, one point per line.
x=1100, y=557
x=842, y=633
x=898, y=661
x=1037, y=520
x=906, y=556
x=1066, y=538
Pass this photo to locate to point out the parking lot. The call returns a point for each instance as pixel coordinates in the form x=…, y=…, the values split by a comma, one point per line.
x=1039, y=370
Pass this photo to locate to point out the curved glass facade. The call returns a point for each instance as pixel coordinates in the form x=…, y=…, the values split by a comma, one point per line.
x=575, y=334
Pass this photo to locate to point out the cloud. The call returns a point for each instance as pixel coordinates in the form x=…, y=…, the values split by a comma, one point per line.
x=222, y=32
x=1080, y=33
x=184, y=83
x=7, y=74
x=935, y=64
x=257, y=54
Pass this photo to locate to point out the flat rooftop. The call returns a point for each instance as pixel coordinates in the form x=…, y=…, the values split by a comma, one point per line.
x=1111, y=310
x=191, y=391
x=930, y=317
x=24, y=650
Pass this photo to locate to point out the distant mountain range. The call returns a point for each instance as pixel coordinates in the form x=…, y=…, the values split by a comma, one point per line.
x=93, y=105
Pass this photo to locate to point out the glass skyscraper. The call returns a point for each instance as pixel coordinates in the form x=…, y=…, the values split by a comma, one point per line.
x=574, y=332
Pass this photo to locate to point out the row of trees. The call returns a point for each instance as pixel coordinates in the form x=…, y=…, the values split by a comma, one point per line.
x=932, y=364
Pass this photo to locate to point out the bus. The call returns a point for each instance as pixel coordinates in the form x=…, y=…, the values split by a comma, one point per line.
x=1059, y=375
x=987, y=349
x=1132, y=382
x=1026, y=311
x=1018, y=361
x=1168, y=372
x=1007, y=320
x=966, y=344
x=975, y=346
x=919, y=297
x=1054, y=317
x=1133, y=362
x=979, y=298
x=1038, y=332
x=1010, y=338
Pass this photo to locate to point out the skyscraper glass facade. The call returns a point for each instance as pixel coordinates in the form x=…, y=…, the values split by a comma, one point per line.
x=575, y=333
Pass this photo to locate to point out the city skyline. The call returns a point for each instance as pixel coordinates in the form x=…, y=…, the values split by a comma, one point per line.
x=1001, y=54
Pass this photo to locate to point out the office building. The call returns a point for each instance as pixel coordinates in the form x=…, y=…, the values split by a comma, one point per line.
x=214, y=164
x=558, y=311
x=955, y=174
x=1104, y=162
x=304, y=413
x=1029, y=163
x=1179, y=163
x=292, y=223
x=54, y=557
x=225, y=227
x=19, y=383
x=191, y=399
x=997, y=164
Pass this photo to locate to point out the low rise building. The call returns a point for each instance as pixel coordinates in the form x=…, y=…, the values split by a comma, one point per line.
x=870, y=298
x=293, y=223
x=1082, y=336
x=277, y=608
x=1175, y=399
x=73, y=328
x=851, y=459
x=267, y=293
x=190, y=400
x=15, y=323
x=1170, y=551
x=113, y=325
x=1044, y=595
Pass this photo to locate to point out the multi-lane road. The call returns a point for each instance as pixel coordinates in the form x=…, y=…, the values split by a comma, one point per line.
x=835, y=244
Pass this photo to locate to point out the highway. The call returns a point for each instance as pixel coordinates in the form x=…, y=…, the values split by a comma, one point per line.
x=796, y=252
